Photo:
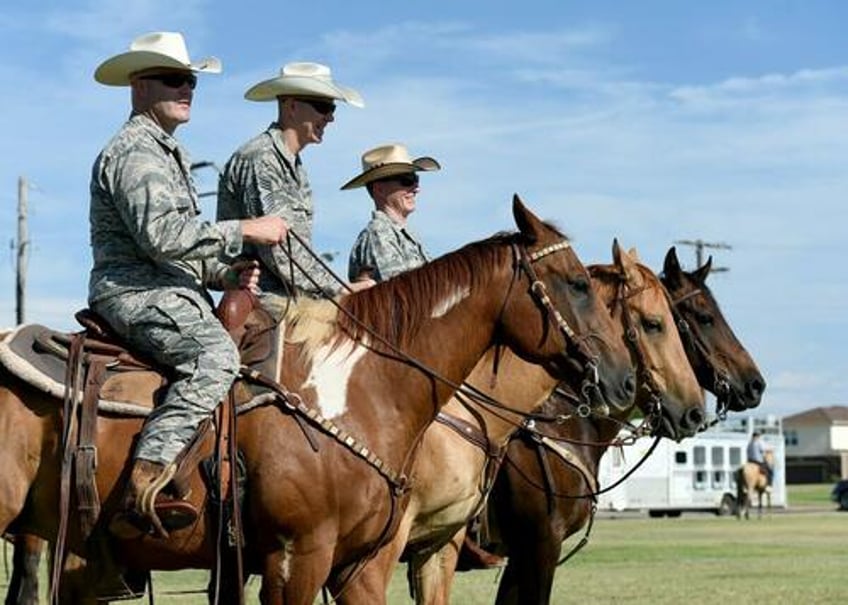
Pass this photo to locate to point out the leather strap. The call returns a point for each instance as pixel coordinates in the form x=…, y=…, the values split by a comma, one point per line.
x=88, y=501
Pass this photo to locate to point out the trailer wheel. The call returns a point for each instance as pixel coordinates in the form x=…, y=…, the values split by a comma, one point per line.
x=727, y=506
x=655, y=514
x=673, y=514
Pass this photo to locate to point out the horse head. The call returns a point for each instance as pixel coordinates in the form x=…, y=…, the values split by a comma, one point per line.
x=573, y=337
x=721, y=363
x=668, y=392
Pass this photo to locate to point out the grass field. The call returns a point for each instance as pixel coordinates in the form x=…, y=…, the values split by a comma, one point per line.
x=799, y=556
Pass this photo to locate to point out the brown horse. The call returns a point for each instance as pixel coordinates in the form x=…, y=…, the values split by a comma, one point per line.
x=722, y=364
x=540, y=499
x=751, y=478
x=313, y=515
x=453, y=473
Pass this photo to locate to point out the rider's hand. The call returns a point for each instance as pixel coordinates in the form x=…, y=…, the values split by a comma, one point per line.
x=246, y=273
x=264, y=230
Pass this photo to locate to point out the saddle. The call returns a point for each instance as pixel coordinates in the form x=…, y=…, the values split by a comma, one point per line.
x=94, y=373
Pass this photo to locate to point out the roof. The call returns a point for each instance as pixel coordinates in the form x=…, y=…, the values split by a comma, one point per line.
x=834, y=414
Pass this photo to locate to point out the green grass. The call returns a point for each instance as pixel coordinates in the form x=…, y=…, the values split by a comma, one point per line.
x=813, y=494
x=696, y=559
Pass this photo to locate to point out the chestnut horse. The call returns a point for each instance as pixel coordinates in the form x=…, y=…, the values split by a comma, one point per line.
x=539, y=499
x=453, y=474
x=750, y=478
x=313, y=513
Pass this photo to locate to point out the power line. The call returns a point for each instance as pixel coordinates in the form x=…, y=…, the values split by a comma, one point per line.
x=699, y=246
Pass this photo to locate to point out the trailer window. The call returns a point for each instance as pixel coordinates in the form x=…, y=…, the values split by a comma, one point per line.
x=699, y=455
x=700, y=478
x=735, y=456
x=719, y=479
x=680, y=457
x=717, y=454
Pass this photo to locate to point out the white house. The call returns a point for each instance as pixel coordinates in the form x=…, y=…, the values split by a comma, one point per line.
x=817, y=444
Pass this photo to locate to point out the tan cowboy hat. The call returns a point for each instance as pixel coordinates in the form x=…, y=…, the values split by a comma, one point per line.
x=156, y=49
x=303, y=79
x=389, y=160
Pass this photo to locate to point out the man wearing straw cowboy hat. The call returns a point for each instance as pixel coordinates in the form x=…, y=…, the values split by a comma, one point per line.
x=266, y=177
x=386, y=246
x=153, y=259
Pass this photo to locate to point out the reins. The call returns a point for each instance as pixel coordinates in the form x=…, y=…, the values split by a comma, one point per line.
x=694, y=342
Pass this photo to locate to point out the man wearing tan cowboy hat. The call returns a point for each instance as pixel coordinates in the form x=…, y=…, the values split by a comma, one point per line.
x=386, y=246
x=265, y=177
x=153, y=259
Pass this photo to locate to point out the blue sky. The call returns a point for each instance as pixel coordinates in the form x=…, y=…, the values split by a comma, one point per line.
x=647, y=121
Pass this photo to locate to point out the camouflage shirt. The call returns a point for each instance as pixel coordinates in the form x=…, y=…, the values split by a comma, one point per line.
x=385, y=249
x=263, y=177
x=143, y=218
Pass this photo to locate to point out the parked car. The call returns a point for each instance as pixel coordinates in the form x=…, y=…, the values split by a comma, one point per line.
x=840, y=494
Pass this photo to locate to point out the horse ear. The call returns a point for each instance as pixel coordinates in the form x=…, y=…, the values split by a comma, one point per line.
x=528, y=223
x=626, y=264
x=702, y=272
x=671, y=268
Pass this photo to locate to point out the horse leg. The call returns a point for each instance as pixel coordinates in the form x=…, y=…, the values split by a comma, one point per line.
x=431, y=575
x=26, y=558
x=290, y=579
x=370, y=583
x=529, y=574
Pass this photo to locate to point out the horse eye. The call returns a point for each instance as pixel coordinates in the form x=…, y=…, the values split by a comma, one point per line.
x=651, y=326
x=704, y=319
x=580, y=284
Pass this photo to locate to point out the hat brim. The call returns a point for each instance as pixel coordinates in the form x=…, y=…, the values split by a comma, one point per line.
x=117, y=70
x=422, y=164
x=292, y=86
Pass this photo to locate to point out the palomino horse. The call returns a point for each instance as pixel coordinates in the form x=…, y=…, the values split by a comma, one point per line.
x=540, y=499
x=460, y=453
x=751, y=478
x=315, y=512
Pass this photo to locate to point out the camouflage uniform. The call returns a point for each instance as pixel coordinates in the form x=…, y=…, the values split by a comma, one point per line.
x=385, y=249
x=152, y=261
x=263, y=177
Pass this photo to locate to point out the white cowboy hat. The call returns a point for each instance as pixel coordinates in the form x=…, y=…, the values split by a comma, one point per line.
x=389, y=160
x=156, y=49
x=303, y=79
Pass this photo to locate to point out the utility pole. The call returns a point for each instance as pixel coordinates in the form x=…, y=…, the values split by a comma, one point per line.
x=22, y=244
x=205, y=164
x=699, y=246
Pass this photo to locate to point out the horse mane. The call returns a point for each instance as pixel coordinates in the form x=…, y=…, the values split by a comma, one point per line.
x=397, y=308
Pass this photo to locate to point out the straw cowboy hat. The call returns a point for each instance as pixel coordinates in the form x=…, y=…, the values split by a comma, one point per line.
x=156, y=49
x=386, y=161
x=305, y=80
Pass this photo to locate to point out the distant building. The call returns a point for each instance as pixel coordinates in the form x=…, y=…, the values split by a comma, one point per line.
x=817, y=445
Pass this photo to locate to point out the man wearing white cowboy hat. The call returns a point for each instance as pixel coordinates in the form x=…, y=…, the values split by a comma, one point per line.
x=265, y=177
x=386, y=246
x=153, y=259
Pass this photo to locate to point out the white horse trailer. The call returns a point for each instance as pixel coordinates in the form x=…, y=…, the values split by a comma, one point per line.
x=696, y=474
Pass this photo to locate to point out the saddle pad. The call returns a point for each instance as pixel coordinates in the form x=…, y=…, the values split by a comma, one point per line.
x=125, y=393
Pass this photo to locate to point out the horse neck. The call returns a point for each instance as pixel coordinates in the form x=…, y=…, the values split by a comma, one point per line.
x=515, y=383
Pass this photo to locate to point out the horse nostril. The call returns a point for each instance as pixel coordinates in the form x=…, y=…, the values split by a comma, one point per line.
x=692, y=419
x=755, y=388
x=629, y=384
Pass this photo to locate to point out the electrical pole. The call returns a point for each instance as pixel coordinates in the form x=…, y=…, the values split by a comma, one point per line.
x=699, y=246
x=205, y=164
x=22, y=244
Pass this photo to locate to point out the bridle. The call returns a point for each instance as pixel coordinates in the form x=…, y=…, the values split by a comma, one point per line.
x=588, y=358
x=694, y=342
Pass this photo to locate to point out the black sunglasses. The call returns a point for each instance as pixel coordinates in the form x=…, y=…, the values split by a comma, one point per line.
x=406, y=180
x=174, y=80
x=320, y=105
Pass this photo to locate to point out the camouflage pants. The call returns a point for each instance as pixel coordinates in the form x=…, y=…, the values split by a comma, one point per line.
x=178, y=329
